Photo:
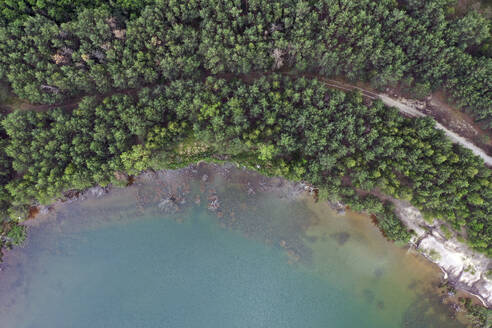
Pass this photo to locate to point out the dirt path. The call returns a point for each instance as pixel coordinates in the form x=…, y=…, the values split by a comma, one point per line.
x=443, y=110
x=387, y=100
x=414, y=112
x=450, y=134
x=71, y=104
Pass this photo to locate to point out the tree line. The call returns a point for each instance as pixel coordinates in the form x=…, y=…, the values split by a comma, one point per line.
x=292, y=127
x=50, y=51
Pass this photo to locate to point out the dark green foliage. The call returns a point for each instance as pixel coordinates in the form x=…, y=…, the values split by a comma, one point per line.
x=48, y=59
x=11, y=233
x=16, y=234
x=160, y=44
x=477, y=314
x=384, y=214
x=46, y=63
x=146, y=70
x=391, y=226
x=297, y=128
x=15, y=11
x=300, y=128
x=55, y=151
x=6, y=173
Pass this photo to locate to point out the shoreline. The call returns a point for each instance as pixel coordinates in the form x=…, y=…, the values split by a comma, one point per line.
x=463, y=268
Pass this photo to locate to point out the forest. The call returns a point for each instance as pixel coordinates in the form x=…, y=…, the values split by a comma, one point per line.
x=292, y=127
x=162, y=83
x=53, y=50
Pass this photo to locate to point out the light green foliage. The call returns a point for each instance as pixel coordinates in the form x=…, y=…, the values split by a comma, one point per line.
x=446, y=231
x=136, y=160
x=434, y=255
x=266, y=152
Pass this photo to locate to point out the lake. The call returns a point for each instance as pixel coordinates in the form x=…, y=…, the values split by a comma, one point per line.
x=214, y=247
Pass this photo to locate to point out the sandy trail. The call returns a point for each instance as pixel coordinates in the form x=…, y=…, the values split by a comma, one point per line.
x=404, y=108
x=450, y=134
x=411, y=111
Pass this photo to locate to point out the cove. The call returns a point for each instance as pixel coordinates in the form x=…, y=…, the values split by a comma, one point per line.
x=214, y=246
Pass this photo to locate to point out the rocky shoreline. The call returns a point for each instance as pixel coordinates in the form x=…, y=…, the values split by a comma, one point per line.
x=463, y=268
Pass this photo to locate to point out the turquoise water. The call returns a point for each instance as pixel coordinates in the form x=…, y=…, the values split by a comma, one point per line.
x=261, y=260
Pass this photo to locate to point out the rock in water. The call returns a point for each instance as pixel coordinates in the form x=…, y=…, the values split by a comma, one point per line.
x=97, y=191
x=168, y=205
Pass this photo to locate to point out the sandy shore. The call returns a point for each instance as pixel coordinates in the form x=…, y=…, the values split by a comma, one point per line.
x=464, y=268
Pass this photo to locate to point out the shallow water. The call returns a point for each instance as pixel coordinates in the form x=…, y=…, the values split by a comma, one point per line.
x=262, y=259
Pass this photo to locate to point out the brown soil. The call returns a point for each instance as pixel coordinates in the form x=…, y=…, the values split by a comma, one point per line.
x=69, y=105
x=463, y=6
x=33, y=211
x=457, y=121
x=440, y=107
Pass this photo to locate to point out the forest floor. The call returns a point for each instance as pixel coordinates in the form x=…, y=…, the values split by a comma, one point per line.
x=14, y=103
x=482, y=6
x=448, y=115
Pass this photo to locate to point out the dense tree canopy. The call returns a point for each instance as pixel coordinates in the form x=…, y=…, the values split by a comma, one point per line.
x=160, y=83
x=48, y=59
x=297, y=128
x=15, y=11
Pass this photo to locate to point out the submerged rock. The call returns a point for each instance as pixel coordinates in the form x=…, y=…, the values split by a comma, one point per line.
x=341, y=211
x=168, y=205
x=147, y=175
x=213, y=204
x=378, y=273
x=293, y=256
x=338, y=207
x=368, y=295
x=43, y=209
x=97, y=191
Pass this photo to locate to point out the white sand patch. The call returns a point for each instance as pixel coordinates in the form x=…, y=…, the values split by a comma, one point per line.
x=464, y=267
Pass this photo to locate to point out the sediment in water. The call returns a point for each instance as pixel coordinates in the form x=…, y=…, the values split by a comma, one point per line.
x=464, y=268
